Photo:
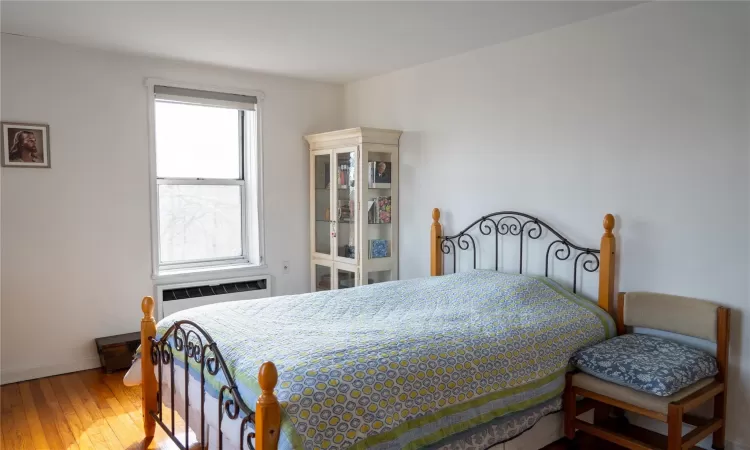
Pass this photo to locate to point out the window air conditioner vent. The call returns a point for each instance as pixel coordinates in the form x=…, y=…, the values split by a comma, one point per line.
x=208, y=290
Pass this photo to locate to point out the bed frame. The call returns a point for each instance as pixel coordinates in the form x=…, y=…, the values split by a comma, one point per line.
x=193, y=342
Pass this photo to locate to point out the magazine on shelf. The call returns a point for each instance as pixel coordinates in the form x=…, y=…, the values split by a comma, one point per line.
x=384, y=209
x=379, y=174
x=379, y=248
x=379, y=210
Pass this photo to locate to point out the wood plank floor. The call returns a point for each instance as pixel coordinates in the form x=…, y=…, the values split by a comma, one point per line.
x=82, y=410
x=92, y=410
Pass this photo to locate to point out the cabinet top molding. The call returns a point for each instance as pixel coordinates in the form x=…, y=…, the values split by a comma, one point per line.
x=353, y=136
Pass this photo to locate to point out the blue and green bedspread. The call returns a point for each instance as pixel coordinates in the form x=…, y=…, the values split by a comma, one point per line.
x=404, y=364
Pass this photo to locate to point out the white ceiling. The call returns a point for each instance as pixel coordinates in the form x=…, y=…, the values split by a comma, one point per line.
x=328, y=41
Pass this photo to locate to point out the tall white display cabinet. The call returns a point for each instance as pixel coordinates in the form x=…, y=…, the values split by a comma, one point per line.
x=353, y=207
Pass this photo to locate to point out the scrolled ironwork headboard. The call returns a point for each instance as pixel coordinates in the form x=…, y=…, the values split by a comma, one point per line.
x=519, y=224
x=524, y=226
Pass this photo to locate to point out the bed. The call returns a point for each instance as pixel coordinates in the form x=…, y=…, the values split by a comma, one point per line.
x=463, y=360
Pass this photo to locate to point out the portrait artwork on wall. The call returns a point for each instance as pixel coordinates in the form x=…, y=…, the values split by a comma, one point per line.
x=25, y=145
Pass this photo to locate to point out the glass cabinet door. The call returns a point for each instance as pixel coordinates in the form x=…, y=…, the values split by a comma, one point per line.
x=345, y=226
x=345, y=278
x=321, y=277
x=322, y=203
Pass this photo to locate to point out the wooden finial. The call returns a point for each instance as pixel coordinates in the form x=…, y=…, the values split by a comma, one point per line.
x=435, y=214
x=267, y=409
x=267, y=377
x=147, y=306
x=609, y=223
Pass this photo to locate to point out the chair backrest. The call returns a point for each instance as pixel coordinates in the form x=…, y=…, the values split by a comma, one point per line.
x=681, y=315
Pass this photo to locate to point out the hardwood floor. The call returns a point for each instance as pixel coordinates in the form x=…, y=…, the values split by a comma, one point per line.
x=92, y=410
x=583, y=442
x=82, y=410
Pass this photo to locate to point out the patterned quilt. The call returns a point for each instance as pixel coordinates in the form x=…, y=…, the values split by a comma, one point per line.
x=404, y=364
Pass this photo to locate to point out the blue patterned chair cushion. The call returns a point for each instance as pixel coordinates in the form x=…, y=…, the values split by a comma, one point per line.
x=646, y=363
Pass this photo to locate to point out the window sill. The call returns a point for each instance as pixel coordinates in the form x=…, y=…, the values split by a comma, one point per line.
x=195, y=274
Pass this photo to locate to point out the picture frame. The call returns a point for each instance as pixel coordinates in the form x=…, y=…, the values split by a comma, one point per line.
x=379, y=174
x=25, y=145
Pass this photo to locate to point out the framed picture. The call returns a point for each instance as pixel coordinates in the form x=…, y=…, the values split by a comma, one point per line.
x=380, y=174
x=25, y=145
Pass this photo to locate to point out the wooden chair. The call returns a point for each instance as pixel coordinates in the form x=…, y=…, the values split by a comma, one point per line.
x=680, y=315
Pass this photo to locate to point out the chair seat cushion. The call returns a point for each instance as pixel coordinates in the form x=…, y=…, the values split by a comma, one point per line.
x=646, y=363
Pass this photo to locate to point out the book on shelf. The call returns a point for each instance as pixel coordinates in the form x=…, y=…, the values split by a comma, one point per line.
x=371, y=211
x=379, y=174
x=379, y=248
x=344, y=177
x=379, y=210
x=345, y=211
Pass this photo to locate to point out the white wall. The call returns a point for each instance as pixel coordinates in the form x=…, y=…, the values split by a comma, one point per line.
x=76, y=238
x=640, y=113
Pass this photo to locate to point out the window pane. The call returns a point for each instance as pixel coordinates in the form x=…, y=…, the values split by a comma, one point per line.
x=199, y=222
x=194, y=141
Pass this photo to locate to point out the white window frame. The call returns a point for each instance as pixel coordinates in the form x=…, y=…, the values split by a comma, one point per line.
x=253, y=229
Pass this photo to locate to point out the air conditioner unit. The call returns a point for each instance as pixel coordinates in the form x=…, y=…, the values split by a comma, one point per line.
x=177, y=297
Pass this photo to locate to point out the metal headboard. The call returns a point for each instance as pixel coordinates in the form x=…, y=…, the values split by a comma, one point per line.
x=513, y=223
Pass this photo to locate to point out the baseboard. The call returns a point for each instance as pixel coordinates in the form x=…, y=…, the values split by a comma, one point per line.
x=737, y=446
x=16, y=375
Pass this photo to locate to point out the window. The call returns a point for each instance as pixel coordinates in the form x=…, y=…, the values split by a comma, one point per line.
x=206, y=179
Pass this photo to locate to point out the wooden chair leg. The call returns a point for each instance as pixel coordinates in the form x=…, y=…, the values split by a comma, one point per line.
x=569, y=407
x=674, y=425
x=720, y=411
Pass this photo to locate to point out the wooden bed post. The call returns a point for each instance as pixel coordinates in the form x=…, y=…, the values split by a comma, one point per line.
x=436, y=255
x=267, y=409
x=148, y=386
x=607, y=268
